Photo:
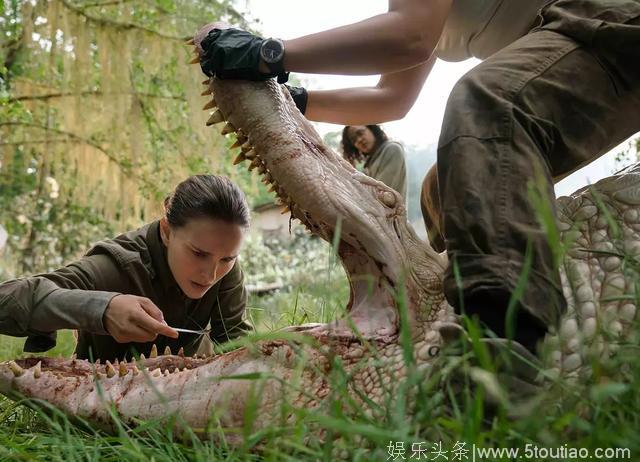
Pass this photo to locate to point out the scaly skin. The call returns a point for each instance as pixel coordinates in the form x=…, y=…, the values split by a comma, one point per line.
x=385, y=261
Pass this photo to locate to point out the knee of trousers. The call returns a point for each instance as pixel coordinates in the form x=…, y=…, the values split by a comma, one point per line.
x=478, y=107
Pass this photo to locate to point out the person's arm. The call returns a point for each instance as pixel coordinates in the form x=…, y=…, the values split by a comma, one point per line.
x=228, y=316
x=399, y=39
x=390, y=99
x=85, y=295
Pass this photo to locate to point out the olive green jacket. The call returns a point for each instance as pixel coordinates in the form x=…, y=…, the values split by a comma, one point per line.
x=76, y=297
x=387, y=165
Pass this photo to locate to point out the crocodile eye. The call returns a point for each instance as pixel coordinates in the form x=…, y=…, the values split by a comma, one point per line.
x=388, y=199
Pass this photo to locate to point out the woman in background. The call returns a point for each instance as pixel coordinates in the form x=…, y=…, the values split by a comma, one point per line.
x=383, y=158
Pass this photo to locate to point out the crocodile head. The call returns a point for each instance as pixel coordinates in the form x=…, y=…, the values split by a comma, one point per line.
x=385, y=262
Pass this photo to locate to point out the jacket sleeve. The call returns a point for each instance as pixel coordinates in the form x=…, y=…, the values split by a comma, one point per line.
x=227, y=317
x=73, y=297
x=392, y=171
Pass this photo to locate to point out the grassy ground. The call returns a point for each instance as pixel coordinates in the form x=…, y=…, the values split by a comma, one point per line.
x=602, y=413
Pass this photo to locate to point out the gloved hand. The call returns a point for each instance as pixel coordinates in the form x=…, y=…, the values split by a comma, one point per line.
x=300, y=96
x=229, y=53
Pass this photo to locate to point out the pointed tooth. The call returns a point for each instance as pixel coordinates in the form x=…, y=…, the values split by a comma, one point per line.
x=209, y=105
x=167, y=351
x=142, y=357
x=262, y=169
x=17, y=370
x=236, y=144
x=228, y=128
x=251, y=154
x=215, y=118
x=156, y=373
x=74, y=357
x=206, y=81
x=254, y=164
x=195, y=60
x=246, y=147
x=207, y=91
x=190, y=42
x=181, y=352
x=241, y=157
x=122, y=369
x=273, y=187
x=166, y=372
x=110, y=369
x=116, y=363
x=285, y=209
x=97, y=363
x=154, y=351
x=135, y=370
x=268, y=177
x=37, y=370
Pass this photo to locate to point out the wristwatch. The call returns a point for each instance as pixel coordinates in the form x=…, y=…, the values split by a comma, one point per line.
x=272, y=53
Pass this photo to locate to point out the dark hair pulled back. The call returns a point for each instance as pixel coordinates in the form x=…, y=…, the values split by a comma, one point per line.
x=350, y=152
x=207, y=196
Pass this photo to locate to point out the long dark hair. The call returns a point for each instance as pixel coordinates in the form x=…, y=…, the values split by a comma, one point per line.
x=210, y=196
x=350, y=152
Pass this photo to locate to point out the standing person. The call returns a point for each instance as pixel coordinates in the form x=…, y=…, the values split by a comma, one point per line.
x=383, y=158
x=179, y=271
x=559, y=86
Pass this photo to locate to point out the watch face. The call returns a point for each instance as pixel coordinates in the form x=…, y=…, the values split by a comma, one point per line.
x=272, y=50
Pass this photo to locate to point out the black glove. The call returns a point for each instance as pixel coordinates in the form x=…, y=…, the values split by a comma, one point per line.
x=300, y=96
x=232, y=54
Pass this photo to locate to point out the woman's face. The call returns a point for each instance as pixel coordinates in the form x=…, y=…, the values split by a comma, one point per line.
x=362, y=138
x=201, y=252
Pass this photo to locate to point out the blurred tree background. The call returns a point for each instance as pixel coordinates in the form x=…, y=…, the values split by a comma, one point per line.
x=99, y=119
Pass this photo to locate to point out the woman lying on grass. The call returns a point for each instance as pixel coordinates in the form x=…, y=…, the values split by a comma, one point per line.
x=122, y=296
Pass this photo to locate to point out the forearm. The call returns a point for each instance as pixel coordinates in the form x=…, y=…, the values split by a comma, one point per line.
x=37, y=305
x=399, y=39
x=390, y=99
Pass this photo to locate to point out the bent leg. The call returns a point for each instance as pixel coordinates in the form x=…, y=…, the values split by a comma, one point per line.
x=540, y=108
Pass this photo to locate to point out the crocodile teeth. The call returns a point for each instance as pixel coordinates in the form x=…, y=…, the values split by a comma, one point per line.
x=273, y=188
x=285, y=209
x=251, y=154
x=246, y=147
x=123, y=369
x=181, y=352
x=37, y=370
x=206, y=82
x=142, y=357
x=110, y=369
x=209, y=105
x=228, y=128
x=195, y=60
x=242, y=138
x=17, y=370
x=190, y=42
x=156, y=373
x=215, y=118
x=166, y=372
x=254, y=164
x=207, y=91
x=154, y=351
x=236, y=144
x=97, y=363
x=135, y=370
x=262, y=169
x=167, y=351
x=74, y=357
x=239, y=159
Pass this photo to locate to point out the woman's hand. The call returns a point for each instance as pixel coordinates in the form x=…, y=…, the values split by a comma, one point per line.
x=129, y=318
